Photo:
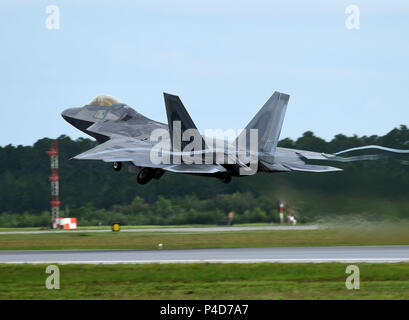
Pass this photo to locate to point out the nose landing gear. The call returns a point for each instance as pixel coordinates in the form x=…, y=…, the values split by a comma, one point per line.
x=117, y=166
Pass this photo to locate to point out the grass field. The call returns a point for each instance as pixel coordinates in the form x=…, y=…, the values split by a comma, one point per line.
x=375, y=234
x=206, y=281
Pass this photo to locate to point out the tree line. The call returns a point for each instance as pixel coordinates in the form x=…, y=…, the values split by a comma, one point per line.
x=94, y=193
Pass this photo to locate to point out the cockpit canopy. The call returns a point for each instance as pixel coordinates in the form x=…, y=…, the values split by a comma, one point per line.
x=115, y=109
x=104, y=100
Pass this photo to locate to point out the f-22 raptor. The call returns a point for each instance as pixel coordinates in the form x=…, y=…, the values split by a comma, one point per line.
x=152, y=148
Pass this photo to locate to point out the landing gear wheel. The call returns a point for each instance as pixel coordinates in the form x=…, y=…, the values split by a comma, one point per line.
x=117, y=166
x=226, y=178
x=145, y=175
x=157, y=173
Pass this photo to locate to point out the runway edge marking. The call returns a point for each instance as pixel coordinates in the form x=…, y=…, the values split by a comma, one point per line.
x=341, y=260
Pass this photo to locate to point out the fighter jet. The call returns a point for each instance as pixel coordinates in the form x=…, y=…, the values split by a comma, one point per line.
x=152, y=148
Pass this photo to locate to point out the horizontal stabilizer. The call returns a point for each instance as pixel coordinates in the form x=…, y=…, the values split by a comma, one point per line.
x=273, y=167
x=310, y=167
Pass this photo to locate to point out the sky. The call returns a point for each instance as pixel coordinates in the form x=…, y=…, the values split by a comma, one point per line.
x=223, y=58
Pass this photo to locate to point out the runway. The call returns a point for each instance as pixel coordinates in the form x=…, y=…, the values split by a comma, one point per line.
x=352, y=254
x=183, y=229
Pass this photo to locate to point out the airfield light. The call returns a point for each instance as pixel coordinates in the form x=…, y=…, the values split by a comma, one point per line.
x=54, y=180
x=282, y=213
x=115, y=226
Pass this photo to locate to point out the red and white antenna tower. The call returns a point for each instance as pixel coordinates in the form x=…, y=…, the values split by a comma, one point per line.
x=54, y=179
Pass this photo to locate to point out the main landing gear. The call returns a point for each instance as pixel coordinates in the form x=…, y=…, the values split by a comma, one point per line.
x=146, y=174
x=226, y=178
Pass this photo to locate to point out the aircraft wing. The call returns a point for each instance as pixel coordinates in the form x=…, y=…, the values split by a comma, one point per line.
x=139, y=153
x=122, y=150
x=195, y=168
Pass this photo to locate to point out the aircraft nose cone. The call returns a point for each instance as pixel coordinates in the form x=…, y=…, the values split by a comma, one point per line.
x=69, y=113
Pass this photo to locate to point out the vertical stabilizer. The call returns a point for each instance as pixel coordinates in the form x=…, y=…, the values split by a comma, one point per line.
x=179, y=122
x=268, y=122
